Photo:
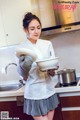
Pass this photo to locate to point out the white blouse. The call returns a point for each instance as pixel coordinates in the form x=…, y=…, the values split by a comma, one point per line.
x=39, y=85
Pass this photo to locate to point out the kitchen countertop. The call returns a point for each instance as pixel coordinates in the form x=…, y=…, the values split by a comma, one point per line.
x=18, y=92
x=61, y=90
x=68, y=91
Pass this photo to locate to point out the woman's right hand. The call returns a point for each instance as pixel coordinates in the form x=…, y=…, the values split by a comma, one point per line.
x=25, y=63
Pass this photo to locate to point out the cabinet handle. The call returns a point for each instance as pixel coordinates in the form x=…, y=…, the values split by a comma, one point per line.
x=70, y=109
x=6, y=34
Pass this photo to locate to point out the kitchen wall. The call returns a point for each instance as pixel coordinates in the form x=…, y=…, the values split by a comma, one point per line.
x=67, y=48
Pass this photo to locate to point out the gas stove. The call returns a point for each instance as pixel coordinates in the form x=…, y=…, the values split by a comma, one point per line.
x=77, y=83
x=58, y=85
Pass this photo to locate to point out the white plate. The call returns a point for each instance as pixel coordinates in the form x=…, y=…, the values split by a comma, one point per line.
x=48, y=68
x=25, y=51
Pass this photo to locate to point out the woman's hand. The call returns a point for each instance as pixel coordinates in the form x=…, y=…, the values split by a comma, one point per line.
x=25, y=63
x=52, y=71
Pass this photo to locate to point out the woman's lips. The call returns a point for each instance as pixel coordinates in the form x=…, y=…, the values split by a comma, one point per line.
x=36, y=35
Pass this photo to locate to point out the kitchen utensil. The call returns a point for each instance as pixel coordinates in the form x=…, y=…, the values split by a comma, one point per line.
x=46, y=64
x=67, y=77
x=25, y=51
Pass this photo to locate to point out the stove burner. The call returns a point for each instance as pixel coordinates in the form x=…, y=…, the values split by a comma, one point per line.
x=66, y=85
x=69, y=84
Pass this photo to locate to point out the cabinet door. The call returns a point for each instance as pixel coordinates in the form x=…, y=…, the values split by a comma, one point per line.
x=12, y=15
x=58, y=113
x=43, y=9
x=70, y=107
x=14, y=111
x=2, y=35
x=71, y=115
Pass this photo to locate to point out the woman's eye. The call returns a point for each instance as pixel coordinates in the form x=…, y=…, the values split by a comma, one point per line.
x=35, y=28
x=39, y=28
x=32, y=29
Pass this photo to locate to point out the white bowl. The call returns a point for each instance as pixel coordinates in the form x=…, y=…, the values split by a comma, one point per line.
x=46, y=64
x=25, y=51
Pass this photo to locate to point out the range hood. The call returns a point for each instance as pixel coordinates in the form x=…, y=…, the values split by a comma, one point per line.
x=58, y=16
x=60, y=28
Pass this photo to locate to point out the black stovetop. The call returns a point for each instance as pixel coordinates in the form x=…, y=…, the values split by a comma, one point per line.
x=58, y=85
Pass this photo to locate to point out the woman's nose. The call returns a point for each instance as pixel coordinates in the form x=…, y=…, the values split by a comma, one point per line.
x=36, y=30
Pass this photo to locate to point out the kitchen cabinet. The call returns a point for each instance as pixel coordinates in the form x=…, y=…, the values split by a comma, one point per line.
x=14, y=111
x=70, y=106
x=11, y=15
x=44, y=10
x=58, y=113
x=2, y=36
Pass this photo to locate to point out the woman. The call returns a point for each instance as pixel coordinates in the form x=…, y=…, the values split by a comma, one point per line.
x=40, y=99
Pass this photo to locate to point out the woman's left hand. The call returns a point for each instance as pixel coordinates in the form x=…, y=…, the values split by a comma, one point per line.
x=52, y=71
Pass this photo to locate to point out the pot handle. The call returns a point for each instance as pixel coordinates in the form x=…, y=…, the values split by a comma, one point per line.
x=78, y=84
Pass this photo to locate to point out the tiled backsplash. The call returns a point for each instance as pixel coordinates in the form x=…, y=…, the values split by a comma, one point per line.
x=7, y=55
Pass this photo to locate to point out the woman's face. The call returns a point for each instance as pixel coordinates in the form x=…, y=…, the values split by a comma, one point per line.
x=34, y=30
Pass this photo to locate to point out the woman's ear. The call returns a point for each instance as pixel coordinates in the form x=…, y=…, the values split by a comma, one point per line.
x=27, y=33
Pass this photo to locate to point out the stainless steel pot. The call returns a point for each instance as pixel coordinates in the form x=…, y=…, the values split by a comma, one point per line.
x=67, y=77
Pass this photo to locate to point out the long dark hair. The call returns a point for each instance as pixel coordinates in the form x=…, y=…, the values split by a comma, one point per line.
x=28, y=18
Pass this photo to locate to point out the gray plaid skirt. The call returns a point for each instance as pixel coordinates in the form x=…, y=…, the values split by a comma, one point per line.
x=40, y=107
